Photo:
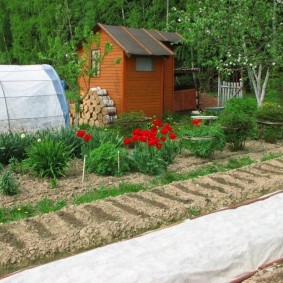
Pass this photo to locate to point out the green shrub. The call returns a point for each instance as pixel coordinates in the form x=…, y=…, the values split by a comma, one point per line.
x=247, y=105
x=104, y=160
x=147, y=159
x=271, y=112
x=8, y=184
x=48, y=158
x=238, y=121
x=14, y=146
x=203, y=140
x=270, y=133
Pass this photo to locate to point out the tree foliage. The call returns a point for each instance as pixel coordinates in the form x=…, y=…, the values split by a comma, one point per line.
x=230, y=34
x=225, y=34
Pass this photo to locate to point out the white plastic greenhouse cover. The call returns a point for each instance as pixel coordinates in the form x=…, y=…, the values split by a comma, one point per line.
x=32, y=98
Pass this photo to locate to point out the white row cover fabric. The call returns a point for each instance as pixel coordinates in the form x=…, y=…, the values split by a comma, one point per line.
x=31, y=98
x=216, y=248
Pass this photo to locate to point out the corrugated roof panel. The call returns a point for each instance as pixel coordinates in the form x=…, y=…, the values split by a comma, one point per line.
x=171, y=36
x=149, y=43
x=156, y=35
x=125, y=40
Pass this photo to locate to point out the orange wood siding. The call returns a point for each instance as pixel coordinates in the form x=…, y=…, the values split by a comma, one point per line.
x=111, y=75
x=143, y=90
x=185, y=100
x=168, y=82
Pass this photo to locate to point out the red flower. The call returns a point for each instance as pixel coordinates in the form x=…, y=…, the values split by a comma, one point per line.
x=157, y=123
x=137, y=132
x=142, y=138
x=127, y=141
x=164, y=131
x=152, y=141
x=196, y=121
x=145, y=133
x=87, y=137
x=80, y=133
x=154, y=129
x=163, y=139
x=135, y=138
x=158, y=145
x=168, y=127
x=172, y=136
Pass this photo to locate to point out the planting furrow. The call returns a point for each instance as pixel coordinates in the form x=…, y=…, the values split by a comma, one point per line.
x=273, y=166
x=163, y=194
x=55, y=224
x=99, y=214
x=265, y=169
x=38, y=228
x=208, y=186
x=148, y=201
x=70, y=219
x=127, y=208
x=248, y=171
x=184, y=189
x=224, y=181
x=280, y=160
x=240, y=178
x=10, y=238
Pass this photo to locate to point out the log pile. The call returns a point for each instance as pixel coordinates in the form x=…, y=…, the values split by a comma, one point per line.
x=97, y=109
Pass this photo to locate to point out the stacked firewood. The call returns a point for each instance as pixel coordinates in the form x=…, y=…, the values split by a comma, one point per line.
x=97, y=109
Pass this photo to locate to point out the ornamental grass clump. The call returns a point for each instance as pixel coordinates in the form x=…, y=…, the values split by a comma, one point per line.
x=14, y=146
x=154, y=149
x=8, y=185
x=48, y=158
x=107, y=159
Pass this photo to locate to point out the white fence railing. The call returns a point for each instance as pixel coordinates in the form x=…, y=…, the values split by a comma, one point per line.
x=228, y=90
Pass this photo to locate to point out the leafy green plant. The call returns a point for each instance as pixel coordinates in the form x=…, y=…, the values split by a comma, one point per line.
x=238, y=121
x=203, y=140
x=14, y=146
x=170, y=150
x=107, y=159
x=247, y=105
x=147, y=159
x=48, y=158
x=101, y=136
x=8, y=184
x=270, y=133
x=271, y=112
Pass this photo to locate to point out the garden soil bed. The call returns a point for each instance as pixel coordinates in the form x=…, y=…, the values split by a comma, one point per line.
x=77, y=228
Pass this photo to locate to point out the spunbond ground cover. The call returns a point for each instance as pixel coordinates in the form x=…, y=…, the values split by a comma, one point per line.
x=77, y=228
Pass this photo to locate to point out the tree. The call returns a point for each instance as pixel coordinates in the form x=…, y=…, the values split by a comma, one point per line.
x=230, y=34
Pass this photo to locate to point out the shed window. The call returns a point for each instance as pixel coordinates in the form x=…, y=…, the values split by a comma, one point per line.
x=95, y=62
x=144, y=64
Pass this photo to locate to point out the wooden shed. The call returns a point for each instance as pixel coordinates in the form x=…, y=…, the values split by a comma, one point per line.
x=144, y=77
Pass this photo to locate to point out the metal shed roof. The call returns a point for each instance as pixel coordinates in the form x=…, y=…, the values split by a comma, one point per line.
x=141, y=41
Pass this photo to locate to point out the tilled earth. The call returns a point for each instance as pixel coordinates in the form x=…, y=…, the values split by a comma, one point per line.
x=77, y=228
